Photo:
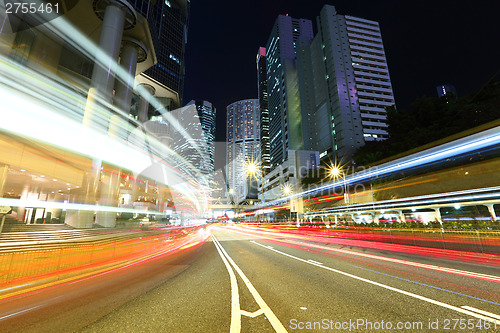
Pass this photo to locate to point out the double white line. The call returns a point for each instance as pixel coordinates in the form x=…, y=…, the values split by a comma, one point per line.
x=236, y=311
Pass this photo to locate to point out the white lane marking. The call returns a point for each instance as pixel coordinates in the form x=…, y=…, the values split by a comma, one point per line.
x=492, y=278
x=18, y=312
x=404, y=292
x=275, y=322
x=315, y=262
x=235, y=298
x=252, y=314
x=486, y=313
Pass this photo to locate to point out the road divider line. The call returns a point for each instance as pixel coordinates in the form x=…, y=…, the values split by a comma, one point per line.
x=404, y=292
x=486, y=277
x=19, y=312
x=275, y=322
x=315, y=262
x=252, y=314
x=235, y=298
x=486, y=313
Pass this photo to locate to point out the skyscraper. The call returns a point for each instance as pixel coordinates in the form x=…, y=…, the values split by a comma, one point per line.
x=168, y=22
x=191, y=130
x=285, y=114
x=195, y=143
x=206, y=113
x=242, y=149
x=264, y=111
x=352, y=86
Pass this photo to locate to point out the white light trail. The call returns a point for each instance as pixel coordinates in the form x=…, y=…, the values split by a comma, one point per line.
x=464, y=145
x=72, y=206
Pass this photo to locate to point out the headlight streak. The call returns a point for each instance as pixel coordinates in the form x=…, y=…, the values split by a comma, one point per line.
x=68, y=205
x=417, y=275
x=416, y=202
x=277, y=237
x=72, y=36
x=468, y=144
x=336, y=196
x=359, y=236
x=428, y=285
x=57, y=94
x=34, y=107
x=425, y=200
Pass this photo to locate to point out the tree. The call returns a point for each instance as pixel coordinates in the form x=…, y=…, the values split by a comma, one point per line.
x=430, y=119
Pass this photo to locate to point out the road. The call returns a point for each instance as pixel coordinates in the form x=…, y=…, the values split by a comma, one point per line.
x=250, y=281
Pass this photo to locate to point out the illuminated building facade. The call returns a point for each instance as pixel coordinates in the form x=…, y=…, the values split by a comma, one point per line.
x=194, y=143
x=264, y=111
x=206, y=115
x=168, y=23
x=100, y=54
x=445, y=89
x=285, y=111
x=351, y=85
x=242, y=149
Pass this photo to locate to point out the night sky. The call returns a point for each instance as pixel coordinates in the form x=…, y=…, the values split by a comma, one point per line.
x=427, y=43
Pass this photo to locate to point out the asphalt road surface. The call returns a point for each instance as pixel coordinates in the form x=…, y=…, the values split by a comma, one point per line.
x=243, y=280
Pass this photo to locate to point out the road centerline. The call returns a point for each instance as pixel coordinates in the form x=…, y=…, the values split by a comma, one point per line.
x=401, y=291
x=275, y=322
x=235, y=298
x=487, y=277
x=486, y=313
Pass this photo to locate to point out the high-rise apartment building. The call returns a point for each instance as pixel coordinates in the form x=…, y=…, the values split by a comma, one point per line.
x=285, y=114
x=242, y=149
x=265, y=158
x=352, y=87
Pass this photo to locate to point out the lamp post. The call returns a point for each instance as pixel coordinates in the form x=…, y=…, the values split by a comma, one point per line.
x=231, y=198
x=287, y=191
x=336, y=172
x=251, y=168
x=252, y=178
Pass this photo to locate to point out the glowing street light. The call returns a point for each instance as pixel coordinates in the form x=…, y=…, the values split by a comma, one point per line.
x=287, y=189
x=253, y=175
x=335, y=172
x=251, y=168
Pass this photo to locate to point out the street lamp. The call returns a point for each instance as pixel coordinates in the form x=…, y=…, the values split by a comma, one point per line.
x=253, y=177
x=335, y=172
x=251, y=168
x=287, y=190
